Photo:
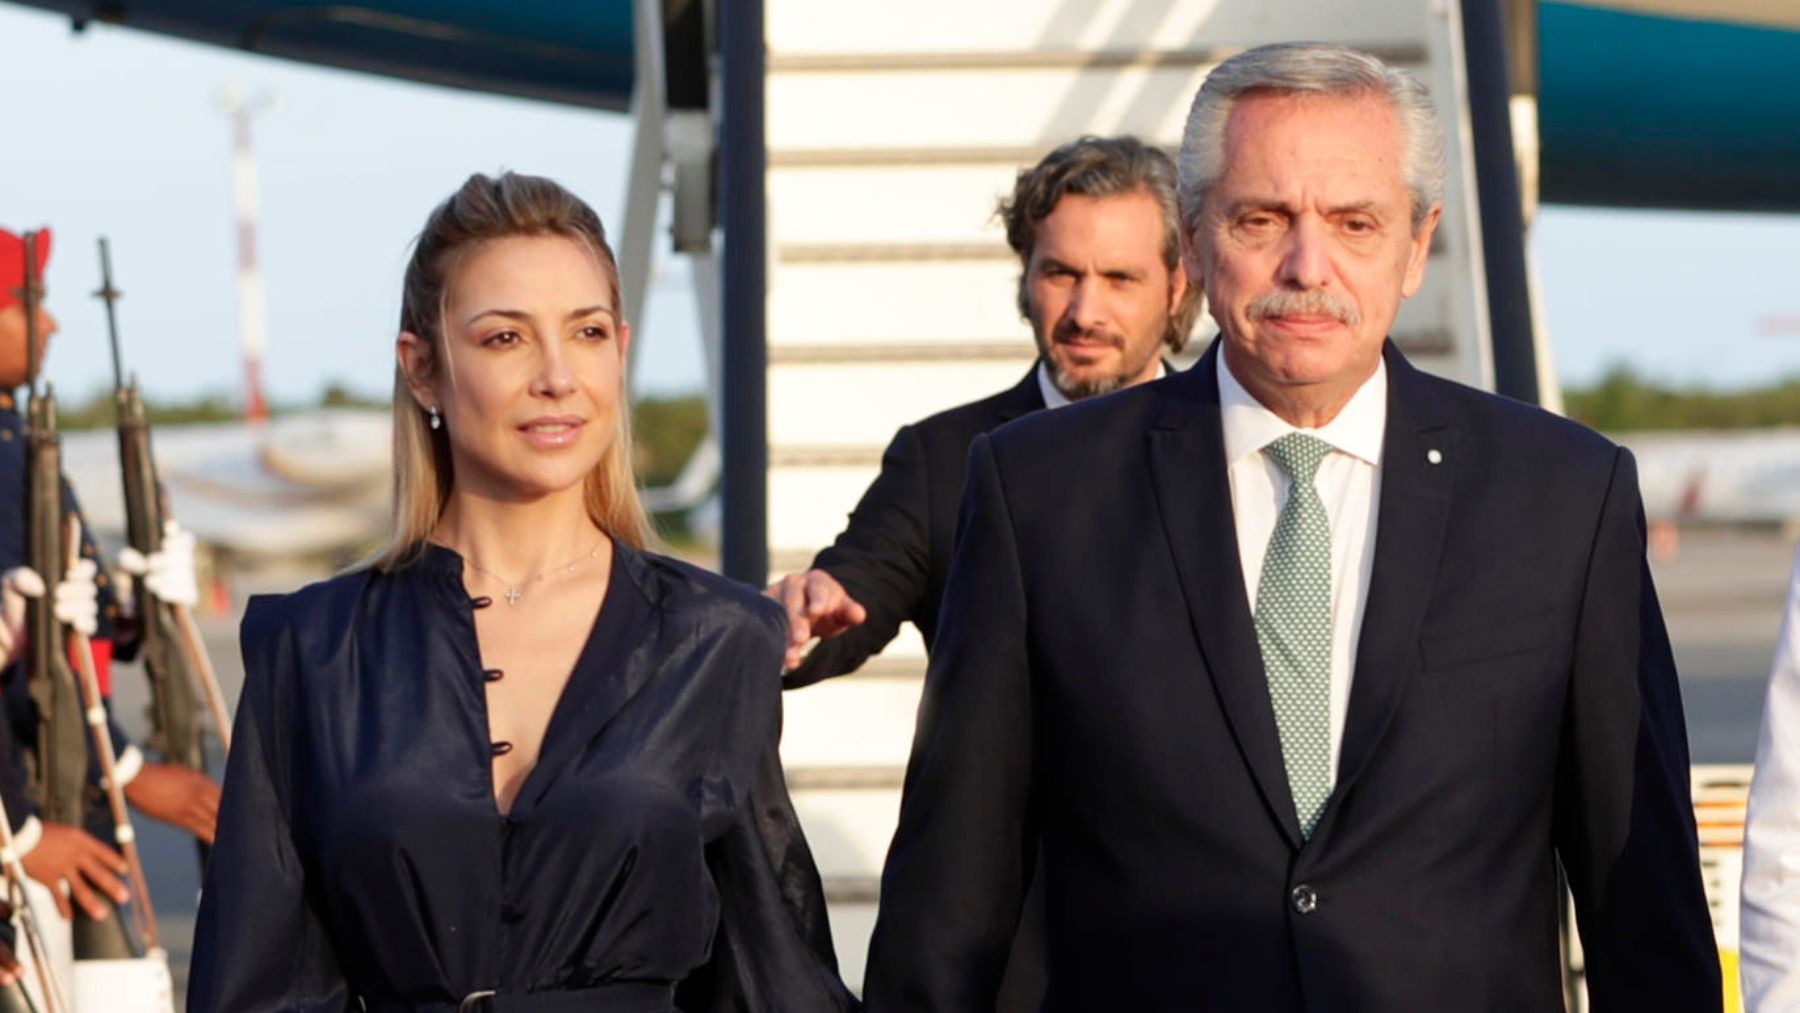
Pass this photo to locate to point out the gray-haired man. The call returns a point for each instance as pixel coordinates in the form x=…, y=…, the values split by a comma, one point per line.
x=1302, y=670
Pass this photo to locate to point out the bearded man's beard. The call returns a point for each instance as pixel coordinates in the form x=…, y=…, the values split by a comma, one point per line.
x=1076, y=388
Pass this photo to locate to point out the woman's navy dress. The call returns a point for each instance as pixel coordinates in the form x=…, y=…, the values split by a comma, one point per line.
x=651, y=860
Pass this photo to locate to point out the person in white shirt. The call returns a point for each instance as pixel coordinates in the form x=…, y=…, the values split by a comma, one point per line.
x=1769, y=916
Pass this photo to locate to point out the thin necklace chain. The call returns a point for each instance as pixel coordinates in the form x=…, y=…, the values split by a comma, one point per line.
x=515, y=589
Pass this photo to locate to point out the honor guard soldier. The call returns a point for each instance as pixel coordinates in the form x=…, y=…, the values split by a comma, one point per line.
x=80, y=865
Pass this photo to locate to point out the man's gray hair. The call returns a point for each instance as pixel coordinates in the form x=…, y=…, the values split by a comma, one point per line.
x=1310, y=68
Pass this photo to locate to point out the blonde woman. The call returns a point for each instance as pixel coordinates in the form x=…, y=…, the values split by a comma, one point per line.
x=516, y=763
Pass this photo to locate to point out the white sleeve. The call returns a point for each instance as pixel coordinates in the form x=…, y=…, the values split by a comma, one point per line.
x=1769, y=945
x=128, y=765
x=27, y=837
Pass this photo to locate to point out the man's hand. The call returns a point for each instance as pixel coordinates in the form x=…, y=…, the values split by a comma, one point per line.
x=180, y=796
x=817, y=606
x=73, y=864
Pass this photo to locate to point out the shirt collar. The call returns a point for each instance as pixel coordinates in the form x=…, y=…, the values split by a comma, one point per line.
x=1357, y=430
x=1054, y=398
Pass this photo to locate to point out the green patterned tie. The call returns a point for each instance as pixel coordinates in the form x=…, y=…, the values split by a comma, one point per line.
x=1293, y=626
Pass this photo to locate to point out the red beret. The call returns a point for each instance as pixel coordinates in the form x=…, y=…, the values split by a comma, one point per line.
x=12, y=264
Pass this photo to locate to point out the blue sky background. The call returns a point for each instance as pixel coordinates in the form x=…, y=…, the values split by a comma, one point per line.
x=119, y=132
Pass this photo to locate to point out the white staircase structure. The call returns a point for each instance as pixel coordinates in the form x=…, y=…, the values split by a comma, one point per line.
x=892, y=131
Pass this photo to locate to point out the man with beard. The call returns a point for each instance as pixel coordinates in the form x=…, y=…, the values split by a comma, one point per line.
x=1094, y=224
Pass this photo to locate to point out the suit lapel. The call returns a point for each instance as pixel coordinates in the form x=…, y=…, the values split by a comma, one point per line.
x=1419, y=459
x=1187, y=469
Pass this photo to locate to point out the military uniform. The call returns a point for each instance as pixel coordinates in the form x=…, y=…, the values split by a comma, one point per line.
x=115, y=639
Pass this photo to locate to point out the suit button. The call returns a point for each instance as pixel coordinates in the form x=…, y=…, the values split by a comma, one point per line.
x=1305, y=899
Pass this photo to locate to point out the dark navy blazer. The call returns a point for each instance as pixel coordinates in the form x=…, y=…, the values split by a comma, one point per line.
x=894, y=555
x=1096, y=695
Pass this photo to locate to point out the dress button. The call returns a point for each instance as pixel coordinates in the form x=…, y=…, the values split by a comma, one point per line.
x=1305, y=899
x=502, y=748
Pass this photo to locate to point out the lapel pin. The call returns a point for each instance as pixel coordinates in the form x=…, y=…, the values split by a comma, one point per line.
x=1434, y=455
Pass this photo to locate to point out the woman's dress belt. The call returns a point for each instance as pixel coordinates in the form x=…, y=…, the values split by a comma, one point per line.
x=621, y=997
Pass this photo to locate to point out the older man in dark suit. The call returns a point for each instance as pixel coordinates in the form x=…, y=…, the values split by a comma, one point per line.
x=1095, y=226
x=1302, y=670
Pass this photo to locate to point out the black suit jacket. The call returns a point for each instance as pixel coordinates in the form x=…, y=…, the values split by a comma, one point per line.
x=1096, y=689
x=895, y=554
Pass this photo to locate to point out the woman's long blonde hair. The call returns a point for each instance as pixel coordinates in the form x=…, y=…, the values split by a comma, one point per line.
x=483, y=210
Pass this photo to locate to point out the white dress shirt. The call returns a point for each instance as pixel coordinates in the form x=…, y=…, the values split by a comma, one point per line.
x=1769, y=917
x=1054, y=398
x=1348, y=481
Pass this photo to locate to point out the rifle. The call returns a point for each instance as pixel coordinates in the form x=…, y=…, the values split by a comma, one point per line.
x=16, y=999
x=59, y=770
x=173, y=654
x=94, y=712
x=60, y=764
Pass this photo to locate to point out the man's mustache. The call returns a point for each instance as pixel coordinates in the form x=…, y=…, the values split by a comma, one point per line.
x=1067, y=333
x=1311, y=303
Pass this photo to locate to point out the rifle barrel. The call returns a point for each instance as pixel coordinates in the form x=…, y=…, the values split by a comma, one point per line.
x=110, y=296
x=28, y=295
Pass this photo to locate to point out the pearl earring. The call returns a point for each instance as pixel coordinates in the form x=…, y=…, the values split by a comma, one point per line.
x=437, y=421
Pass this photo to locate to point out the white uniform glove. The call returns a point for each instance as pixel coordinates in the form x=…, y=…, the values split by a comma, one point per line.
x=77, y=600
x=169, y=571
x=16, y=585
x=75, y=604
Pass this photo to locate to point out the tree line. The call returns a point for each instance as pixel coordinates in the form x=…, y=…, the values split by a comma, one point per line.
x=665, y=430
x=1624, y=401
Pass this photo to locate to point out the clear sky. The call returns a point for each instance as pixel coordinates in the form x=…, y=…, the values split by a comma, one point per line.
x=118, y=132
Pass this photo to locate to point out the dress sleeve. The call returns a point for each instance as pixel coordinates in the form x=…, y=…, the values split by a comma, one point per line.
x=772, y=952
x=1770, y=917
x=260, y=944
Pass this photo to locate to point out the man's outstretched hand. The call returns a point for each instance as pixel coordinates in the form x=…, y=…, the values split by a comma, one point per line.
x=817, y=606
x=178, y=796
